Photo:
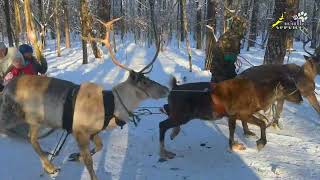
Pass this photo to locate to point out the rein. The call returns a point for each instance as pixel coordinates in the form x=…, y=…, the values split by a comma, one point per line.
x=131, y=114
x=187, y=90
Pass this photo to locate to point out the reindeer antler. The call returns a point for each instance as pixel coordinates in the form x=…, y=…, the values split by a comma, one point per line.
x=108, y=26
x=151, y=2
x=304, y=47
x=233, y=11
x=106, y=41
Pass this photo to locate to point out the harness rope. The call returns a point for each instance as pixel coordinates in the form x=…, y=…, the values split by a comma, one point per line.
x=59, y=146
x=131, y=114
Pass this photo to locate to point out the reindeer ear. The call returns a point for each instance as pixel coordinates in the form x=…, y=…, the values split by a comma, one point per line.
x=133, y=75
x=306, y=57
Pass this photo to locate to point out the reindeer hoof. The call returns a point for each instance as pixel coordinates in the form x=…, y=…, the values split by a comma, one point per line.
x=162, y=160
x=261, y=143
x=54, y=172
x=74, y=157
x=249, y=134
x=238, y=147
x=277, y=126
x=164, y=155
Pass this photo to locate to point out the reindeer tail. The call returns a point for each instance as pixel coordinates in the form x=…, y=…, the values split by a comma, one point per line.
x=173, y=82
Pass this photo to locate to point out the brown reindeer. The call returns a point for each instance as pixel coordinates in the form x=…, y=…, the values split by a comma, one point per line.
x=299, y=81
x=83, y=110
x=235, y=98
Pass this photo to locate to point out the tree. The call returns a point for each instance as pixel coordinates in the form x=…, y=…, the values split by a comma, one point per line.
x=42, y=26
x=253, y=24
x=84, y=30
x=185, y=29
x=6, y=9
x=57, y=24
x=211, y=41
x=31, y=31
x=198, y=26
x=292, y=9
x=18, y=24
x=276, y=46
x=66, y=23
x=104, y=13
x=316, y=13
x=182, y=35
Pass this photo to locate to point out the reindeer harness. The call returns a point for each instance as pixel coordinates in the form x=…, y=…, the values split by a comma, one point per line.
x=70, y=105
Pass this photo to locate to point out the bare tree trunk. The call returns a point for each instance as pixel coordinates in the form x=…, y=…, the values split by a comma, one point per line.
x=57, y=24
x=18, y=25
x=316, y=10
x=198, y=26
x=42, y=26
x=276, y=46
x=182, y=35
x=250, y=13
x=211, y=41
x=66, y=23
x=2, y=30
x=96, y=51
x=104, y=12
x=253, y=26
x=292, y=9
x=185, y=26
x=122, y=24
x=6, y=9
x=31, y=31
x=84, y=31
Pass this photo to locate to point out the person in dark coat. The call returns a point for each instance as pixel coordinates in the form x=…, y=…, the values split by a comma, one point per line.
x=227, y=50
x=27, y=52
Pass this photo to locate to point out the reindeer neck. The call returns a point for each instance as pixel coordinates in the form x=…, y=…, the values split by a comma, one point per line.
x=125, y=100
x=308, y=70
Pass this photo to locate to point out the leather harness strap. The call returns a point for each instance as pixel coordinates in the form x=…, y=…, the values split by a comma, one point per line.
x=109, y=106
x=69, y=105
x=68, y=108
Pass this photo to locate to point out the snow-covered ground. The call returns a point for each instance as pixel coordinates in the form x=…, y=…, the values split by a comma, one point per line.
x=202, y=150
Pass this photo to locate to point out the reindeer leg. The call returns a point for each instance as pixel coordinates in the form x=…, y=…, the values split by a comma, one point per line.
x=97, y=142
x=246, y=130
x=46, y=164
x=175, y=132
x=234, y=145
x=98, y=146
x=279, y=108
x=314, y=102
x=164, y=126
x=83, y=141
x=263, y=140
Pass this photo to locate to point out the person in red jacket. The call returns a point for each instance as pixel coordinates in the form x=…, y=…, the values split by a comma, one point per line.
x=30, y=66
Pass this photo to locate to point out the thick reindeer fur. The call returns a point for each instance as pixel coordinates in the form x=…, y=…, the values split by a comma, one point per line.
x=89, y=108
x=235, y=98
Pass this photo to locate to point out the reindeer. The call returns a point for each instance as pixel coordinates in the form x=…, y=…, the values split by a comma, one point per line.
x=84, y=110
x=235, y=99
x=298, y=80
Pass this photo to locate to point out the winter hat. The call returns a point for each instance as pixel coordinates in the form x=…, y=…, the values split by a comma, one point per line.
x=25, y=48
x=2, y=45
